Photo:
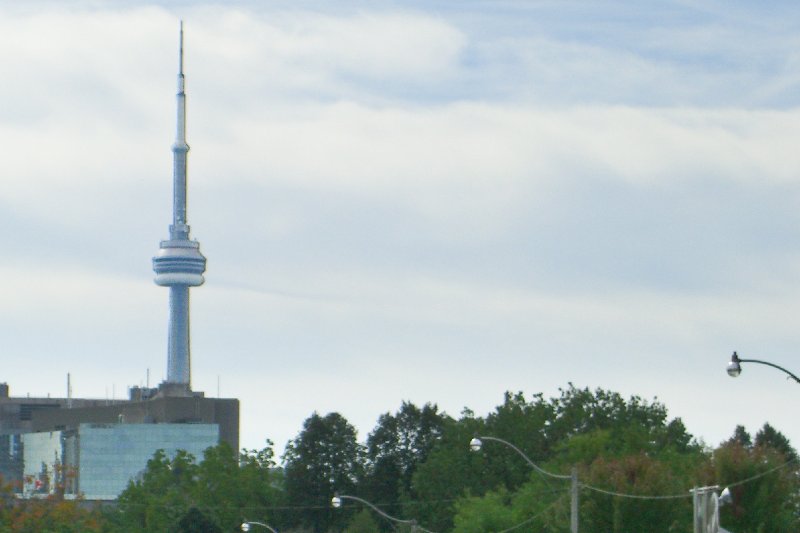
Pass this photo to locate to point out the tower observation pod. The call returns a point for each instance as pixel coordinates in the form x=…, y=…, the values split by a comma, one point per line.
x=179, y=263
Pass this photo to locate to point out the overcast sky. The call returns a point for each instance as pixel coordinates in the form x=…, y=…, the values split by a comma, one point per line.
x=424, y=201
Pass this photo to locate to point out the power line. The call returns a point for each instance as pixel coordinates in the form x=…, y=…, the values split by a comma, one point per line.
x=636, y=496
x=771, y=470
x=686, y=494
x=534, y=517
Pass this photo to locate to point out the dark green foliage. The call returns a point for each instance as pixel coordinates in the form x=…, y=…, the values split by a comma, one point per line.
x=625, y=447
x=325, y=458
x=417, y=464
x=768, y=503
x=741, y=437
x=619, y=445
x=634, y=425
x=221, y=490
x=194, y=521
x=576, y=428
x=450, y=472
x=492, y=512
x=362, y=522
x=644, y=475
x=769, y=437
x=528, y=425
x=161, y=498
x=395, y=448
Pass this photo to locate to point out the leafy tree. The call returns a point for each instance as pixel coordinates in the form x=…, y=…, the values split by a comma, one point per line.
x=177, y=493
x=261, y=486
x=362, y=522
x=575, y=428
x=635, y=425
x=769, y=437
x=51, y=515
x=323, y=459
x=162, y=496
x=228, y=490
x=417, y=463
x=194, y=521
x=645, y=476
x=492, y=512
x=741, y=437
x=769, y=499
x=543, y=503
x=450, y=471
x=396, y=447
x=527, y=424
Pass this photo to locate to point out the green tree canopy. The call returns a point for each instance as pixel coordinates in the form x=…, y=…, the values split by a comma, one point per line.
x=635, y=466
x=576, y=428
x=395, y=448
x=323, y=459
x=194, y=521
x=769, y=437
x=177, y=493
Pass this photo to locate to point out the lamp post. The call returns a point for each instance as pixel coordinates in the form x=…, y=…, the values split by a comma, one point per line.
x=476, y=443
x=246, y=526
x=735, y=368
x=336, y=502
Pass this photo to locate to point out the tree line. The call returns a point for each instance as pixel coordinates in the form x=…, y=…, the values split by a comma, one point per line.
x=635, y=467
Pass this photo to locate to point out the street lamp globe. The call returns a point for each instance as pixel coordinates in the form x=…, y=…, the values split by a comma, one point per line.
x=247, y=525
x=336, y=502
x=475, y=444
x=734, y=368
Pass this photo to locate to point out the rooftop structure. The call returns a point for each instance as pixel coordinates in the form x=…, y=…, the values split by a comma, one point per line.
x=22, y=416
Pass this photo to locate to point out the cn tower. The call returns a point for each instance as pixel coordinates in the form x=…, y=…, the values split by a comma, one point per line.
x=179, y=263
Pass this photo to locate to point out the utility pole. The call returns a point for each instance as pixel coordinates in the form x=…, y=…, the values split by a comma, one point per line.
x=573, y=522
x=706, y=509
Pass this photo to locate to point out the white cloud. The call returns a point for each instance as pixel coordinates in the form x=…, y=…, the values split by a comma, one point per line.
x=393, y=194
x=475, y=171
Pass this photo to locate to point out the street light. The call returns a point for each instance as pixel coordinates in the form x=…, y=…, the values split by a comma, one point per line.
x=246, y=526
x=476, y=443
x=336, y=502
x=735, y=368
x=725, y=497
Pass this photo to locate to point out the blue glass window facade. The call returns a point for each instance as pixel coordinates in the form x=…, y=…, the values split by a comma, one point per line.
x=98, y=460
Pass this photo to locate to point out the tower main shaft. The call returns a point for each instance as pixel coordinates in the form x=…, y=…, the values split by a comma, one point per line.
x=179, y=263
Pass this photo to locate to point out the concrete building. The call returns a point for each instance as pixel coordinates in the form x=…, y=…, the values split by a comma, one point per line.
x=37, y=431
x=17, y=418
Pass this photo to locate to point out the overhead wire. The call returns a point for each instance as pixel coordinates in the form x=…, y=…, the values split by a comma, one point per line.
x=686, y=494
x=534, y=517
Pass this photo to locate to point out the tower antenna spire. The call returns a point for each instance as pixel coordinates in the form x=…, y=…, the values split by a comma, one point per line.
x=180, y=65
x=179, y=264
